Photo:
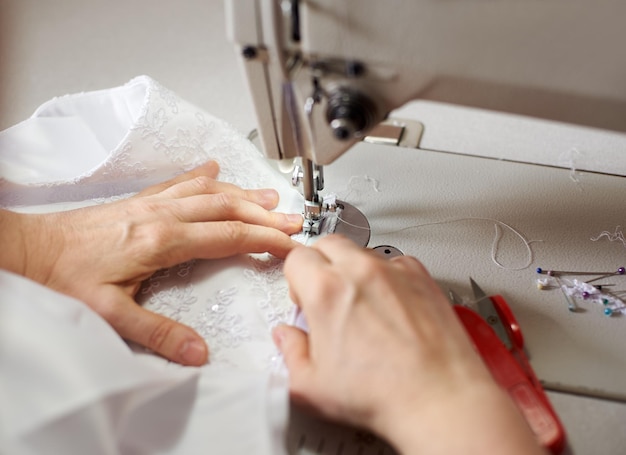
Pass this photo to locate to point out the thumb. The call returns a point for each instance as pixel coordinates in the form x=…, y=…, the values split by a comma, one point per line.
x=174, y=341
x=293, y=343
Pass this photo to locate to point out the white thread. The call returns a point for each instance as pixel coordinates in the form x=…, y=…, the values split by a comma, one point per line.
x=352, y=186
x=617, y=236
x=494, y=245
x=569, y=158
x=367, y=178
x=307, y=237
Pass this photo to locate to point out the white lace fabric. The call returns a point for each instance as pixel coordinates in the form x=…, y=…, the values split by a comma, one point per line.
x=94, y=147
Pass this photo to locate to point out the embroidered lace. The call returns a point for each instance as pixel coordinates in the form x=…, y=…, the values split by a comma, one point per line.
x=233, y=303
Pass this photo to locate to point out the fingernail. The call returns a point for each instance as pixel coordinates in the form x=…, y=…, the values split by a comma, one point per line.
x=193, y=353
x=294, y=218
x=278, y=335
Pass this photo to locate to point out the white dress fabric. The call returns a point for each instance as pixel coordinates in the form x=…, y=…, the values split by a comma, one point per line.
x=68, y=384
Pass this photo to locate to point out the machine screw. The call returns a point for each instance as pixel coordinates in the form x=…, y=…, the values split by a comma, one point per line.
x=297, y=175
x=249, y=52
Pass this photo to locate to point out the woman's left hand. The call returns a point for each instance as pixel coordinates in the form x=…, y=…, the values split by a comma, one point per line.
x=101, y=254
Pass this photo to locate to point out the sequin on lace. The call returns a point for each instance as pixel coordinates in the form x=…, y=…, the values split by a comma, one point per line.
x=219, y=325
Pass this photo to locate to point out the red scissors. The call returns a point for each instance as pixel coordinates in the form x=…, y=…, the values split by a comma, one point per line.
x=498, y=339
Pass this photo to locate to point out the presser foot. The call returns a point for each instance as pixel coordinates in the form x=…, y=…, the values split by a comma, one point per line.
x=340, y=218
x=312, y=226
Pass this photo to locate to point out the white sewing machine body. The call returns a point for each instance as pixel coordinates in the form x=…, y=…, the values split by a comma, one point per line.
x=324, y=73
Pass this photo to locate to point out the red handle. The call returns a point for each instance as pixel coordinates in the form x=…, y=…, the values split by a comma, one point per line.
x=528, y=395
x=508, y=319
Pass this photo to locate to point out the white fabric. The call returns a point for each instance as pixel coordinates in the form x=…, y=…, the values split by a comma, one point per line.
x=68, y=384
x=111, y=142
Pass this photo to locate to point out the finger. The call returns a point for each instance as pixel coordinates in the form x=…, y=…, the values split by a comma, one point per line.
x=411, y=264
x=266, y=198
x=293, y=344
x=315, y=285
x=301, y=265
x=226, y=207
x=209, y=169
x=338, y=248
x=224, y=239
x=166, y=337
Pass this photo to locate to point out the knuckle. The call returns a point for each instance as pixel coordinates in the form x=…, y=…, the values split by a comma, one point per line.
x=410, y=263
x=147, y=243
x=331, y=289
x=156, y=236
x=369, y=268
x=109, y=310
x=226, y=203
x=235, y=232
x=160, y=334
x=203, y=183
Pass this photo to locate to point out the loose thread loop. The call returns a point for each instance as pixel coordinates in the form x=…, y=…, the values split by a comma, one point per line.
x=494, y=246
x=617, y=236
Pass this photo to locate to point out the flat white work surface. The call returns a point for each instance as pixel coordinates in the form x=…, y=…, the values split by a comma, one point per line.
x=52, y=48
x=442, y=208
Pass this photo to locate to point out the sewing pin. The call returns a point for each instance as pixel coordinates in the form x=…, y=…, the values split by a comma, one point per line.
x=571, y=304
x=555, y=273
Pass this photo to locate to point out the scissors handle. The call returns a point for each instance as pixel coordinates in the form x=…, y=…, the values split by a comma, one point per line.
x=517, y=339
x=512, y=376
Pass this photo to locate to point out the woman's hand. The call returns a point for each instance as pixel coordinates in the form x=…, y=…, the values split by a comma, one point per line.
x=386, y=351
x=101, y=254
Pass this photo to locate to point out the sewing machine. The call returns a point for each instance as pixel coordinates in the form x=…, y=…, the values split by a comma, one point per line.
x=537, y=82
x=324, y=74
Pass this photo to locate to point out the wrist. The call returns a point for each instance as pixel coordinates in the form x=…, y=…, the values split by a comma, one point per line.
x=478, y=417
x=12, y=242
x=26, y=245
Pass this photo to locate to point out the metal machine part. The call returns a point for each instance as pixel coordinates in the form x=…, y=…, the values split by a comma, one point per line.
x=350, y=114
x=353, y=224
x=312, y=178
x=387, y=251
x=397, y=132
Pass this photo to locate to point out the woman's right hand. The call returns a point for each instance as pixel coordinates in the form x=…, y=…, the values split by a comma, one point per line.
x=386, y=351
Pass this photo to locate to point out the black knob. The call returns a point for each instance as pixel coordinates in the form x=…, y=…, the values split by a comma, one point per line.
x=350, y=113
x=249, y=52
